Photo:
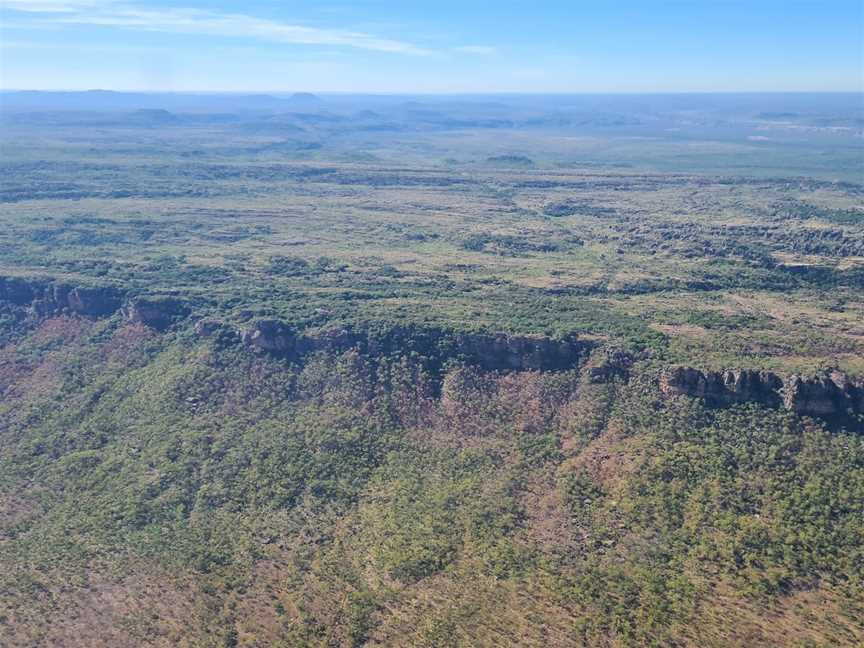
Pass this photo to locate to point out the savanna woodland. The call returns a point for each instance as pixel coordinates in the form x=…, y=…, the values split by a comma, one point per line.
x=341, y=371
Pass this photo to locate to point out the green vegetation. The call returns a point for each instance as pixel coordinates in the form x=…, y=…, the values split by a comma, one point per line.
x=215, y=464
x=167, y=478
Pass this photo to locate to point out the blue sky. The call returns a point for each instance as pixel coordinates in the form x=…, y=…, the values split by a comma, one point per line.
x=440, y=46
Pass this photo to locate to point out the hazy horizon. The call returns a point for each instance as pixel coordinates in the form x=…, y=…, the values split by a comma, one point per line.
x=359, y=93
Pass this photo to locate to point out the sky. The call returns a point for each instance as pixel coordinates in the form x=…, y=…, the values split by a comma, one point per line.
x=441, y=46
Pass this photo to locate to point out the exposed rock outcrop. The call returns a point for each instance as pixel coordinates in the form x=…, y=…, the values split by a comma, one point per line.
x=19, y=291
x=96, y=302
x=506, y=352
x=271, y=336
x=495, y=352
x=827, y=395
x=46, y=298
x=723, y=387
x=158, y=313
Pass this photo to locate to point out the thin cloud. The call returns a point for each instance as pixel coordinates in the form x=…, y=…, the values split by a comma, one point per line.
x=196, y=21
x=481, y=50
x=53, y=6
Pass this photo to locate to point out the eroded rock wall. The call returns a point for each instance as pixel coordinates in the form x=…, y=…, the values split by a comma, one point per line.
x=830, y=394
x=155, y=312
x=45, y=298
x=490, y=351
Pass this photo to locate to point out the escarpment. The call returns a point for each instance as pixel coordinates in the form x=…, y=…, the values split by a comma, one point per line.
x=828, y=395
x=41, y=298
x=723, y=387
x=155, y=312
x=271, y=336
x=490, y=351
x=825, y=395
x=45, y=298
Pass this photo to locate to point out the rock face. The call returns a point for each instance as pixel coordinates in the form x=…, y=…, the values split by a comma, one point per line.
x=827, y=395
x=723, y=387
x=19, y=291
x=271, y=336
x=96, y=302
x=494, y=352
x=503, y=352
x=47, y=298
x=155, y=312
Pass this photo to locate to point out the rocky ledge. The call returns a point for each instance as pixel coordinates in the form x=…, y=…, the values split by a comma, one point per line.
x=155, y=312
x=831, y=394
x=46, y=298
x=491, y=351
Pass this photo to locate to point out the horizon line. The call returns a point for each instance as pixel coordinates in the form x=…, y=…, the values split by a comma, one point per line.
x=432, y=93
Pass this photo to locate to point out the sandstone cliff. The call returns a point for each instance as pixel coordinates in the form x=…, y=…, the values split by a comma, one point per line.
x=490, y=351
x=830, y=394
x=45, y=298
x=155, y=312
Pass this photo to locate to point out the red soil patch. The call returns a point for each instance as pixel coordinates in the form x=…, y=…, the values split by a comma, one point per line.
x=125, y=342
x=62, y=329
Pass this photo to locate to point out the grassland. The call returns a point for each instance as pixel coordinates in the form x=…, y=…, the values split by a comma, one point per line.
x=672, y=256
